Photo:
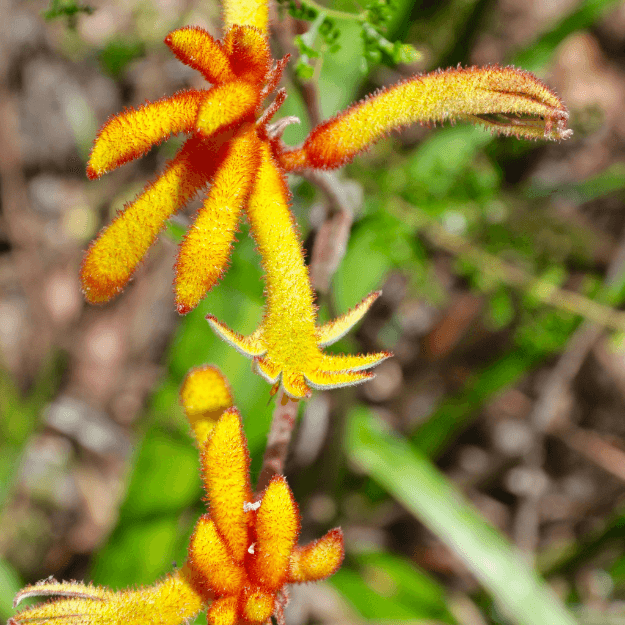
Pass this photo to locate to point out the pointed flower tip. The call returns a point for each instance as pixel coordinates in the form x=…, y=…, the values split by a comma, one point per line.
x=92, y=174
x=170, y=602
x=319, y=559
x=205, y=394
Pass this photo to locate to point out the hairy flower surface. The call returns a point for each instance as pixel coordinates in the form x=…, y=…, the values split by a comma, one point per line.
x=241, y=556
x=234, y=152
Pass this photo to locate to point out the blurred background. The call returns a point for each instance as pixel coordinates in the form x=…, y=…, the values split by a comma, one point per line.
x=493, y=444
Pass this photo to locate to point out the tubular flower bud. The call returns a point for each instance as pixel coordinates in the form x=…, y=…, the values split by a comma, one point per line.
x=241, y=556
x=204, y=396
x=503, y=99
x=170, y=602
x=232, y=148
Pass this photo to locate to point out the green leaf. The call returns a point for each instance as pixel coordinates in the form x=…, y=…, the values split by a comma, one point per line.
x=165, y=478
x=369, y=603
x=414, y=481
x=363, y=269
x=10, y=583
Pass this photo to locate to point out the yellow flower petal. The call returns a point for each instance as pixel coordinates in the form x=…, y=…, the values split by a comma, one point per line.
x=258, y=605
x=113, y=257
x=336, y=379
x=205, y=394
x=267, y=369
x=277, y=528
x=197, y=49
x=169, y=602
x=249, y=346
x=294, y=384
x=133, y=132
x=210, y=559
x=225, y=106
x=336, y=329
x=347, y=362
x=223, y=611
x=248, y=52
x=317, y=560
x=246, y=13
x=205, y=250
x=225, y=468
x=507, y=100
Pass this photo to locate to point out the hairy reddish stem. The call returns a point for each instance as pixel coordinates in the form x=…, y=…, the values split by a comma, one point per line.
x=282, y=423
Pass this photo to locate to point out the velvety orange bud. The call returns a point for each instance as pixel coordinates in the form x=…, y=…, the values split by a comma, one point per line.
x=317, y=560
x=197, y=49
x=223, y=611
x=133, y=132
x=225, y=469
x=210, y=558
x=258, y=605
x=277, y=529
x=204, y=395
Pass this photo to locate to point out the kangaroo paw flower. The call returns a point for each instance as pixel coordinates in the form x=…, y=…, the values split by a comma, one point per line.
x=245, y=550
x=233, y=147
x=241, y=556
x=288, y=343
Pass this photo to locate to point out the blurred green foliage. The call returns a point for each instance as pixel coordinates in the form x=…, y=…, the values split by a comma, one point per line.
x=454, y=177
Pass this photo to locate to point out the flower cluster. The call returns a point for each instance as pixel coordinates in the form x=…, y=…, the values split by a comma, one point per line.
x=242, y=553
x=233, y=147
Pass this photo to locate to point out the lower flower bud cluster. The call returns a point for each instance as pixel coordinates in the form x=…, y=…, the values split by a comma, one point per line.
x=241, y=557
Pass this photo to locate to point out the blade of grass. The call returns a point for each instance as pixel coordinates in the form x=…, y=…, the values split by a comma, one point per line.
x=414, y=481
x=10, y=583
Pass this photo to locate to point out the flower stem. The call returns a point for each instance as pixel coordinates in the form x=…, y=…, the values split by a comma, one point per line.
x=282, y=423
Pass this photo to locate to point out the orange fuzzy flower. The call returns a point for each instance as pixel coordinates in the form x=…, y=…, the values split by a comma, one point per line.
x=233, y=148
x=242, y=553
